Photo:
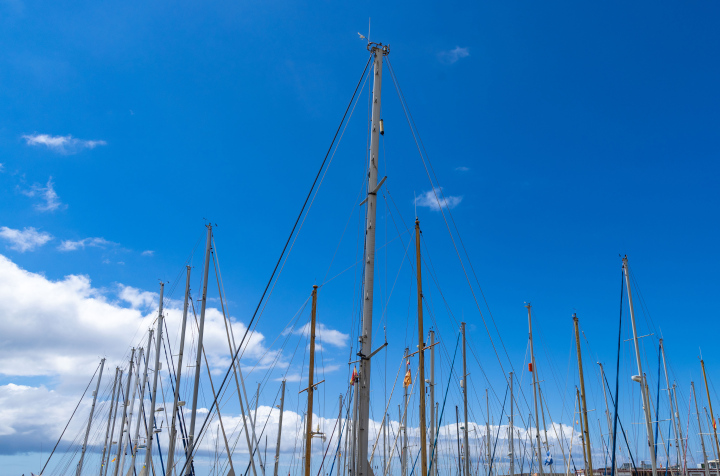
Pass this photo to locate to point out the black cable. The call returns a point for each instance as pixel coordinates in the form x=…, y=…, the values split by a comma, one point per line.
x=282, y=253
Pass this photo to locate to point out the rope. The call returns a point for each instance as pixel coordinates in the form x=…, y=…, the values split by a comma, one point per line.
x=71, y=417
x=272, y=275
x=502, y=412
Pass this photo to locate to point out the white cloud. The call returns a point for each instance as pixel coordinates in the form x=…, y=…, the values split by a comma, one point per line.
x=454, y=55
x=2, y=167
x=324, y=334
x=462, y=169
x=70, y=245
x=51, y=201
x=434, y=199
x=27, y=239
x=148, y=253
x=62, y=144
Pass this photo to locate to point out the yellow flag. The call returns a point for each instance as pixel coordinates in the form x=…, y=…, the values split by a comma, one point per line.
x=408, y=379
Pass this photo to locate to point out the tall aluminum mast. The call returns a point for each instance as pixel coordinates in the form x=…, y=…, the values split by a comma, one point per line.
x=672, y=408
x=198, y=362
x=640, y=378
x=363, y=469
x=153, y=399
x=92, y=410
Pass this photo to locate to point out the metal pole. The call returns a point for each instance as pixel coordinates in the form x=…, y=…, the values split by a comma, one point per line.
x=311, y=374
x=421, y=352
x=92, y=410
x=378, y=52
x=535, y=385
x=404, y=423
x=142, y=396
x=700, y=432
x=151, y=420
x=122, y=422
x=582, y=432
x=465, y=376
x=457, y=429
x=712, y=415
x=586, y=428
x=670, y=402
x=511, y=444
x=433, y=462
x=127, y=442
x=282, y=408
x=679, y=426
x=607, y=408
x=176, y=396
x=487, y=433
x=112, y=431
x=110, y=413
x=640, y=378
x=717, y=459
x=193, y=415
x=339, y=424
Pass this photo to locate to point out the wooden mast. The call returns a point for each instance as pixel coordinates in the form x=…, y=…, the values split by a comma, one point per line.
x=586, y=430
x=308, y=425
x=421, y=352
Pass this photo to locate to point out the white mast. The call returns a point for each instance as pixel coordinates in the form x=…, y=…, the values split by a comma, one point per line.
x=122, y=422
x=433, y=459
x=198, y=360
x=511, y=443
x=465, y=433
x=112, y=431
x=126, y=442
x=110, y=413
x=282, y=408
x=92, y=410
x=176, y=397
x=640, y=378
x=363, y=467
x=670, y=401
x=700, y=433
x=142, y=407
x=156, y=368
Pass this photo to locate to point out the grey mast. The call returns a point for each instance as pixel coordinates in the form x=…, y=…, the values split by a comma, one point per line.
x=176, y=397
x=672, y=407
x=142, y=398
x=151, y=419
x=110, y=413
x=535, y=386
x=92, y=410
x=363, y=469
x=112, y=431
x=122, y=422
x=640, y=378
x=198, y=360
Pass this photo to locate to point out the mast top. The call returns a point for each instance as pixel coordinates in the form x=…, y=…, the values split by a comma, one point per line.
x=374, y=47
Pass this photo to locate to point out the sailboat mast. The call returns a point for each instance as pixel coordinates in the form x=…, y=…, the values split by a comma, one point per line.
x=670, y=402
x=142, y=397
x=277, y=448
x=679, y=426
x=700, y=433
x=535, y=397
x=122, y=422
x=421, y=353
x=110, y=413
x=586, y=429
x=511, y=443
x=92, y=410
x=717, y=458
x=176, y=396
x=311, y=374
x=487, y=433
x=433, y=438
x=112, y=431
x=640, y=378
x=156, y=372
x=198, y=360
x=465, y=385
x=457, y=428
x=362, y=469
x=582, y=432
x=712, y=415
x=404, y=420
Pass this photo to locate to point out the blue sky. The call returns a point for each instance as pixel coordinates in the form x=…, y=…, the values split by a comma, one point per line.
x=568, y=133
